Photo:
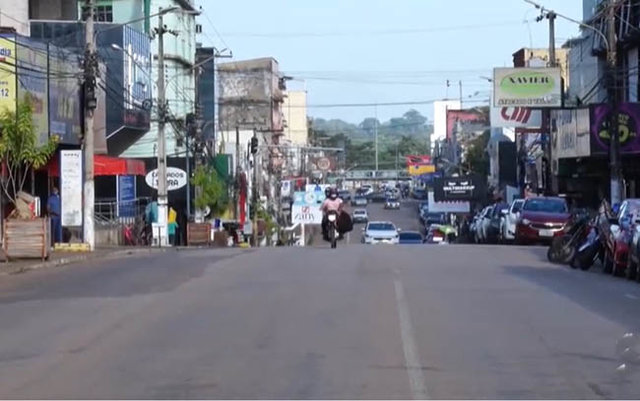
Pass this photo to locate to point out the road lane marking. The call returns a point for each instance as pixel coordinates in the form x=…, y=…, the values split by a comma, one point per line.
x=631, y=296
x=411, y=358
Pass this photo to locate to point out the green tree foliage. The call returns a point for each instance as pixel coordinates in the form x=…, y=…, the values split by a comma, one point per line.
x=19, y=148
x=408, y=134
x=476, y=157
x=213, y=192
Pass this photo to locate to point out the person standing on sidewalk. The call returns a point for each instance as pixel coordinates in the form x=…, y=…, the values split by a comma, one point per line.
x=53, y=209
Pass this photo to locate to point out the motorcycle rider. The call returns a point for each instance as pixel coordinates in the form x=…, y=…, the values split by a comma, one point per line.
x=331, y=203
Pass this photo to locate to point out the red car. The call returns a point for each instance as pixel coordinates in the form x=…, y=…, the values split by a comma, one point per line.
x=541, y=219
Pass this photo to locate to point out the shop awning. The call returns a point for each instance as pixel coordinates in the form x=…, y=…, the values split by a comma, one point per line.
x=103, y=165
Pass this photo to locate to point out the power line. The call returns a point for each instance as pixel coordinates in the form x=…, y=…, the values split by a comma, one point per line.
x=497, y=24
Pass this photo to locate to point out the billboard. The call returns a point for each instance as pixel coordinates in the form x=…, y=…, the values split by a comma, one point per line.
x=71, y=187
x=447, y=207
x=516, y=117
x=305, y=208
x=570, y=138
x=628, y=128
x=467, y=123
x=415, y=170
x=463, y=188
x=64, y=96
x=32, y=59
x=7, y=73
x=527, y=87
x=136, y=77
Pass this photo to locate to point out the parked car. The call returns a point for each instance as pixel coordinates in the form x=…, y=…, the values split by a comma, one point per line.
x=359, y=201
x=482, y=225
x=419, y=193
x=392, y=203
x=542, y=219
x=345, y=195
x=624, y=253
x=360, y=216
x=434, y=218
x=380, y=232
x=493, y=229
x=508, y=222
x=410, y=238
x=424, y=205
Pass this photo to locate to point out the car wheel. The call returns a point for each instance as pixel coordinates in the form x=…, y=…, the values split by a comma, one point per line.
x=631, y=268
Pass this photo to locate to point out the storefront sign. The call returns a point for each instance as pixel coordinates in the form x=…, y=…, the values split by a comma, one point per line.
x=570, y=138
x=126, y=190
x=8, y=73
x=176, y=178
x=527, y=87
x=515, y=117
x=463, y=188
x=71, y=187
x=628, y=128
x=306, y=207
x=467, y=123
x=447, y=207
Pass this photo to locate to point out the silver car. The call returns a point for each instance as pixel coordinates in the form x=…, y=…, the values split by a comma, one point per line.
x=380, y=232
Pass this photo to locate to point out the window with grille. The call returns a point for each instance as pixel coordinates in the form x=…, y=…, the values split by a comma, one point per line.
x=101, y=13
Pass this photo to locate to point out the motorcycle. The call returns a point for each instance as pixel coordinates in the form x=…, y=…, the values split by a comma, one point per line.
x=563, y=248
x=332, y=228
x=589, y=250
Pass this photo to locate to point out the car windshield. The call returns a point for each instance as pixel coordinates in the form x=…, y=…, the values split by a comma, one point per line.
x=545, y=205
x=359, y=212
x=411, y=236
x=517, y=206
x=382, y=227
x=392, y=199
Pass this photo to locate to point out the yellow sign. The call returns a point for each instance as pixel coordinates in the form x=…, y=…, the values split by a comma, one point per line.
x=422, y=169
x=7, y=74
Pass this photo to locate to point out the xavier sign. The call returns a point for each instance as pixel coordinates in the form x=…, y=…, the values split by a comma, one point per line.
x=527, y=87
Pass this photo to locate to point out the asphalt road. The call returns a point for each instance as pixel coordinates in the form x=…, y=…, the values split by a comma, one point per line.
x=451, y=321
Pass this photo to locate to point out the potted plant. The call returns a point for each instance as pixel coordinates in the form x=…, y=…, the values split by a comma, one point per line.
x=212, y=195
x=24, y=235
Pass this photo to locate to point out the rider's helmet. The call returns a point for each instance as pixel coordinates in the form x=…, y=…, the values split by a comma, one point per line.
x=333, y=193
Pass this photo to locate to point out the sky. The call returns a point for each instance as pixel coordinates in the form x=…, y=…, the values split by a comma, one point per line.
x=367, y=52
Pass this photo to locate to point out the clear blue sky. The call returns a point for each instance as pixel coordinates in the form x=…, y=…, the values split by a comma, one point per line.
x=377, y=51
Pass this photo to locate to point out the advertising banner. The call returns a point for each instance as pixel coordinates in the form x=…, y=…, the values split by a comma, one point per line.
x=306, y=207
x=71, y=187
x=136, y=76
x=467, y=123
x=64, y=96
x=516, y=117
x=7, y=73
x=570, y=139
x=628, y=128
x=464, y=188
x=527, y=87
x=126, y=190
x=32, y=61
x=415, y=170
x=176, y=178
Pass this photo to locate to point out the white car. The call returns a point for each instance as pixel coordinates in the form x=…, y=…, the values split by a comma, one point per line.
x=392, y=203
x=380, y=232
x=366, y=189
x=360, y=216
x=482, y=225
x=508, y=222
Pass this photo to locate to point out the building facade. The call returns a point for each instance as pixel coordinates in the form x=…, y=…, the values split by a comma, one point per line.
x=296, y=127
x=15, y=14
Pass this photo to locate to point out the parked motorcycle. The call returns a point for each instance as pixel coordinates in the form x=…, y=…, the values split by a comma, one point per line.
x=563, y=248
x=589, y=250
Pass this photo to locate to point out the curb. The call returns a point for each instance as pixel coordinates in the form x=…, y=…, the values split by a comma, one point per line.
x=119, y=254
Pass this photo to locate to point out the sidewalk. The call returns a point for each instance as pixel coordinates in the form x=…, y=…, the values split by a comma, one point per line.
x=59, y=258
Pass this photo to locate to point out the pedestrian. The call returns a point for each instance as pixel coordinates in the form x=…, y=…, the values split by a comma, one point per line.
x=172, y=225
x=53, y=210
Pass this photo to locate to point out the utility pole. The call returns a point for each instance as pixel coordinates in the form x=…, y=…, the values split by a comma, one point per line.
x=551, y=16
x=255, y=195
x=614, y=134
x=90, y=103
x=460, y=87
x=236, y=189
x=375, y=128
x=162, y=151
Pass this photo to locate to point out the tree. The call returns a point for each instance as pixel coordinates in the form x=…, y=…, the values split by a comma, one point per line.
x=213, y=193
x=20, y=151
x=476, y=157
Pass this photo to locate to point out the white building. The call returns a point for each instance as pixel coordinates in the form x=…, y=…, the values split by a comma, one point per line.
x=440, y=108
